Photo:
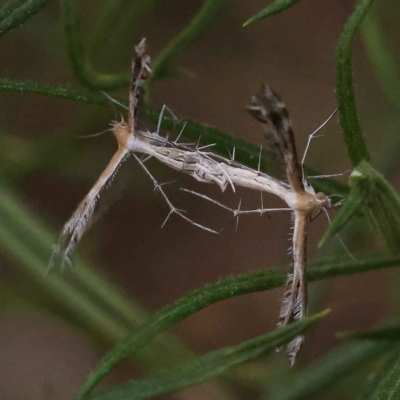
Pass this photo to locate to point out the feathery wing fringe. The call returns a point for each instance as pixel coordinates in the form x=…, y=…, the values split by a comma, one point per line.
x=83, y=215
x=294, y=305
x=293, y=309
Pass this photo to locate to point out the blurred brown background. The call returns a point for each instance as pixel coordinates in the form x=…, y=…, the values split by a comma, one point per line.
x=294, y=53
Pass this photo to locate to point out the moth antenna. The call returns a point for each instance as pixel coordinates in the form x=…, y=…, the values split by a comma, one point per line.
x=313, y=136
x=93, y=135
x=115, y=101
x=328, y=176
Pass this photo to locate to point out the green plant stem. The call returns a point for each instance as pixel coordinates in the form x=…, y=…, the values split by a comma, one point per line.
x=109, y=12
x=385, y=66
x=356, y=147
x=130, y=16
x=191, y=32
x=89, y=315
x=15, y=12
x=81, y=65
x=58, y=91
x=219, y=291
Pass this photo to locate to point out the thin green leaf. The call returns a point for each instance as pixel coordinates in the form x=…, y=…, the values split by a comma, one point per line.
x=15, y=12
x=275, y=8
x=341, y=266
x=326, y=372
x=373, y=195
x=9, y=7
x=245, y=152
x=390, y=331
x=177, y=312
x=89, y=300
x=188, y=36
x=387, y=72
x=110, y=11
x=219, y=291
x=381, y=204
x=384, y=383
x=356, y=147
x=382, y=60
x=197, y=371
x=81, y=65
x=60, y=91
x=351, y=208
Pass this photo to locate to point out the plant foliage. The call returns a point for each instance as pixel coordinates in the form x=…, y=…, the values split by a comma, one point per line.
x=87, y=299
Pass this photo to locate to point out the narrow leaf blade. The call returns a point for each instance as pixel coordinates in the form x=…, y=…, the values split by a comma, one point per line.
x=381, y=205
x=384, y=383
x=346, y=213
x=197, y=371
x=356, y=147
x=275, y=8
x=15, y=12
x=390, y=331
x=327, y=371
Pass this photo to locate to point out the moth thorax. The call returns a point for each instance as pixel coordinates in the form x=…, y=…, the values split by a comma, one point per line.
x=121, y=132
x=306, y=202
x=323, y=200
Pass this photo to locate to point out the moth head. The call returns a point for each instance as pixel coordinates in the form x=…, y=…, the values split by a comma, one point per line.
x=323, y=200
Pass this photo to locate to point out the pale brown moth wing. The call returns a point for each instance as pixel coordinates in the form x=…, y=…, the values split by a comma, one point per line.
x=83, y=215
x=140, y=70
x=294, y=305
x=268, y=108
